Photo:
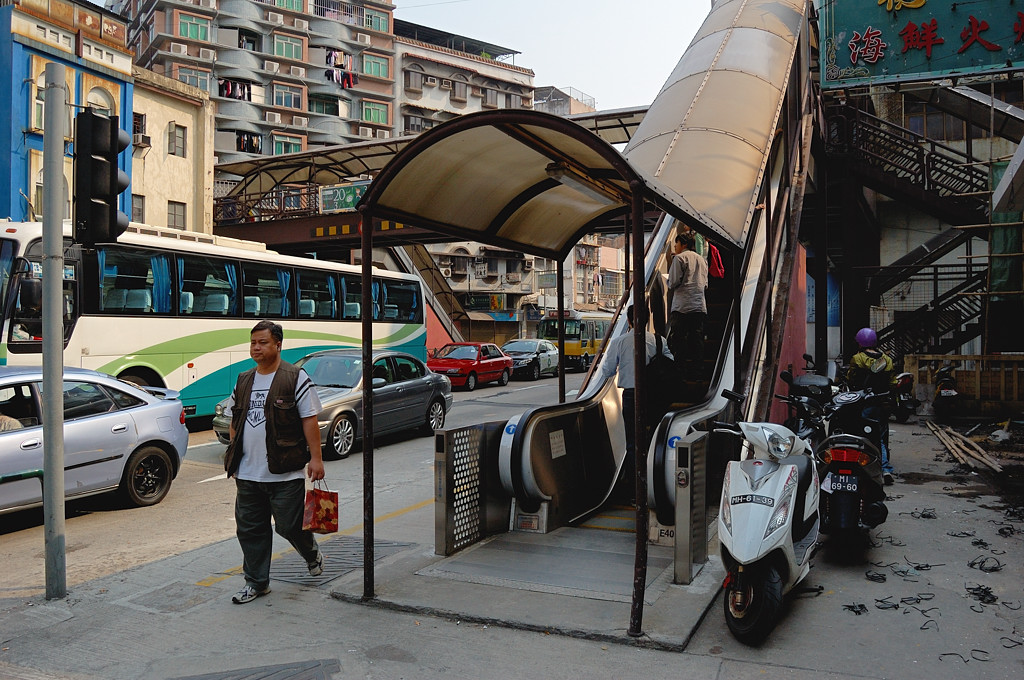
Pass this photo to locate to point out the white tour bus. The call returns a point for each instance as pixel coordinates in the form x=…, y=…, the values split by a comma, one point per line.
x=173, y=309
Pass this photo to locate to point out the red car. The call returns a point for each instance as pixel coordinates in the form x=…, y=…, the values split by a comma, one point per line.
x=471, y=363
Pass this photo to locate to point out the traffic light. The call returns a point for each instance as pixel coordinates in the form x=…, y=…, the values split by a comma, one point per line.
x=99, y=140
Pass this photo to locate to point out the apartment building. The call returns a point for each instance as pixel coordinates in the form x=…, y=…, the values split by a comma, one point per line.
x=91, y=43
x=285, y=75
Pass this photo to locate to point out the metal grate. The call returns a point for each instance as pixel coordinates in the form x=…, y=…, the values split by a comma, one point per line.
x=464, y=453
x=342, y=554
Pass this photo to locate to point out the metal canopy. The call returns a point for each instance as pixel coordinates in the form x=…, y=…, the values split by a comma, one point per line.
x=615, y=126
x=525, y=180
x=705, y=139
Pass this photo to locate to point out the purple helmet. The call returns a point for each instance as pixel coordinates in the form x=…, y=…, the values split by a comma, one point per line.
x=867, y=338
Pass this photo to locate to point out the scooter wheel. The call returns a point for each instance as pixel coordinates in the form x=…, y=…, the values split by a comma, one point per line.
x=753, y=604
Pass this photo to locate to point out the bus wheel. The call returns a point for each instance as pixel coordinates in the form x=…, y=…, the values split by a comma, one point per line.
x=134, y=379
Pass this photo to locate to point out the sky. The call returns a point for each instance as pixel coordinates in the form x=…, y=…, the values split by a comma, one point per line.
x=618, y=52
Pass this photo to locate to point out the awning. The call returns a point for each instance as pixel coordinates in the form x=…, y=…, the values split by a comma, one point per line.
x=706, y=137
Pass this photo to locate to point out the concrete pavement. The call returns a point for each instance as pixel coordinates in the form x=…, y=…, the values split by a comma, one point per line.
x=173, y=618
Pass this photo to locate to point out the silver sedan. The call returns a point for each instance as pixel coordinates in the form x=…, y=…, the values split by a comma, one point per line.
x=117, y=437
x=406, y=395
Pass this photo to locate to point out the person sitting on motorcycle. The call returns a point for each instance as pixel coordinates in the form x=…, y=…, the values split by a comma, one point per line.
x=873, y=369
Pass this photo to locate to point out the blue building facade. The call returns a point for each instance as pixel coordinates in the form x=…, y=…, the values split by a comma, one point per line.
x=91, y=43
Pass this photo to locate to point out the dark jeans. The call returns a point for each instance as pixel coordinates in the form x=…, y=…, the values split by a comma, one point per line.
x=255, y=504
x=882, y=416
x=686, y=341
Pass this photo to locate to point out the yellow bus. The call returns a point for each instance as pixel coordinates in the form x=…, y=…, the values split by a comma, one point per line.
x=585, y=334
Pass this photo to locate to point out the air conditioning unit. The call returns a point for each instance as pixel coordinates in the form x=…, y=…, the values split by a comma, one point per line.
x=271, y=66
x=363, y=38
x=212, y=4
x=179, y=48
x=430, y=80
x=275, y=17
x=302, y=24
x=273, y=117
x=446, y=272
x=365, y=131
x=299, y=71
x=527, y=265
x=513, y=277
x=205, y=53
x=140, y=141
x=446, y=84
x=301, y=121
x=383, y=134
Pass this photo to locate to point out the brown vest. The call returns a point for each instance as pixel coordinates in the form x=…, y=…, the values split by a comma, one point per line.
x=286, y=442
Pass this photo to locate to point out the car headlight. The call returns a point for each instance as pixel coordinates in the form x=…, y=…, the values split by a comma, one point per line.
x=218, y=410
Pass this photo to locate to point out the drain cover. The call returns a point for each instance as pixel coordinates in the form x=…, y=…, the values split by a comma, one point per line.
x=342, y=554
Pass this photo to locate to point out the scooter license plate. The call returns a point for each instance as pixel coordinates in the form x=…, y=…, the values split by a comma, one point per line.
x=843, y=482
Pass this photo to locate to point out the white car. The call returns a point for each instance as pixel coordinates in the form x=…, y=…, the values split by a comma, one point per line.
x=118, y=437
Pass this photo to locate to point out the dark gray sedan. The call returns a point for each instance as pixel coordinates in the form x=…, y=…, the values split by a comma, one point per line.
x=117, y=437
x=406, y=395
x=532, y=358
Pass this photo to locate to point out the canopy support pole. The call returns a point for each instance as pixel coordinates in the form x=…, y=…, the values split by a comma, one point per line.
x=367, y=331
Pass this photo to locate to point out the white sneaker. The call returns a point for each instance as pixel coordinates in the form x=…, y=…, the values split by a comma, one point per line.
x=248, y=594
x=316, y=567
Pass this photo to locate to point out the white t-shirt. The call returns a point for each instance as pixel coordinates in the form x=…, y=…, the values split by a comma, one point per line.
x=253, y=466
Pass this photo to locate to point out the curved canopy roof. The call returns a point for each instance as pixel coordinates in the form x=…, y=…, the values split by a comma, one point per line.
x=705, y=139
x=521, y=179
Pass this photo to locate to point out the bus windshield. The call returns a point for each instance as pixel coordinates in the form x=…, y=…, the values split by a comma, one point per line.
x=549, y=329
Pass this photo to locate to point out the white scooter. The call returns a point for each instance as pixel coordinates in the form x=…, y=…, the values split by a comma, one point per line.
x=767, y=524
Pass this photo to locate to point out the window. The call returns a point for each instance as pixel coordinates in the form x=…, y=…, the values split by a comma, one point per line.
x=288, y=96
x=459, y=91
x=294, y=5
x=138, y=208
x=101, y=100
x=932, y=123
x=378, y=21
x=138, y=123
x=123, y=399
x=266, y=291
x=375, y=112
x=490, y=97
x=133, y=281
x=317, y=294
x=283, y=144
x=207, y=286
x=413, y=80
x=82, y=400
x=407, y=368
x=177, y=140
x=288, y=47
x=248, y=40
x=375, y=66
x=397, y=301
x=194, y=77
x=417, y=124
x=38, y=113
x=514, y=101
x=16, y=401
x=350, y=293
x=328, y=107
x=197, y=28
x=176, y=215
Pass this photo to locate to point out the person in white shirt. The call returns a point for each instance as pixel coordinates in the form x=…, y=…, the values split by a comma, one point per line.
x=619, y=361
x=688, y=311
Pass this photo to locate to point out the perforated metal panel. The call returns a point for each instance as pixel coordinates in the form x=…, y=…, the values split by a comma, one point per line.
x=464, y=458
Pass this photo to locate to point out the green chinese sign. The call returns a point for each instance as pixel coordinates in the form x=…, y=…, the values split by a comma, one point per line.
x=341, y=197
x=868, y=42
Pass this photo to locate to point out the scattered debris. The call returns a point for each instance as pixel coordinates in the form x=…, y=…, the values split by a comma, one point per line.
x=857, y=609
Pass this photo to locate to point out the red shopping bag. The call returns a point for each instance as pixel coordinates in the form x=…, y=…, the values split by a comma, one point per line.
x=321, y=512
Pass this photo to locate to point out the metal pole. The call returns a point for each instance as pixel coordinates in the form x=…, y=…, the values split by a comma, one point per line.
x=53, y=332
x=636, y=614
x=560, y=292
x=367, y=322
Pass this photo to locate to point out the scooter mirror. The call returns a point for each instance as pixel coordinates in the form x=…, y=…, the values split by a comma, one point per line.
x=787, y=377
x=808, y=358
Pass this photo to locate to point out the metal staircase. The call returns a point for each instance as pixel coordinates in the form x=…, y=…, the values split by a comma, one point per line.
x=940, y=326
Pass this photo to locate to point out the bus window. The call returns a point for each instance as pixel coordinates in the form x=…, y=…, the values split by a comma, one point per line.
x=133, y=281
x=207, y=286
x=266, y=292
x=402, y=301
x=320, y=288
x=350, y=294
x=6, y=263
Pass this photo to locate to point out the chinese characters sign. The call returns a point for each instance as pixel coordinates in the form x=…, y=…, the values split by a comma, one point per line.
x=341, y=197
x=886, y=41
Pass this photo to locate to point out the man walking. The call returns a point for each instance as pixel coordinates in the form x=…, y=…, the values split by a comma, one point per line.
x=688, y=311
x=274, y=435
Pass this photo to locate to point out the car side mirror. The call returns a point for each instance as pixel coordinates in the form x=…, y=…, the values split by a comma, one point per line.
x=379, y=382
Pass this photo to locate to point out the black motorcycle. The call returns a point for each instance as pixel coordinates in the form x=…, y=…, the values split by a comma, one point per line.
x=905, y=403
x=807, y=414
x=849, y=463
x=946, y=394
